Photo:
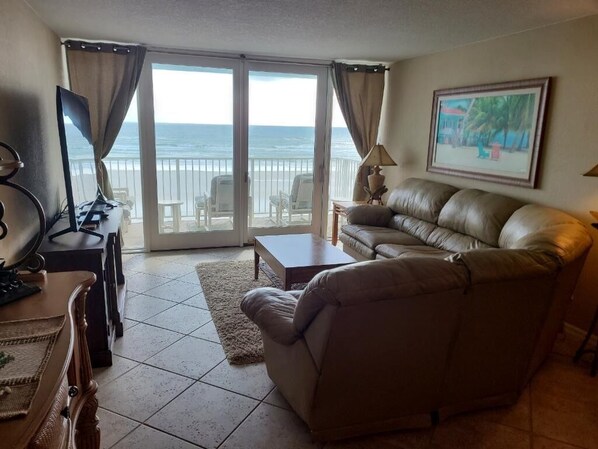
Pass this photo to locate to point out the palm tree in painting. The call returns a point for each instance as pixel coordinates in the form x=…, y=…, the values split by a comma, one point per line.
x=522, y=119
x=483, y=118
x=490, y=116
x=507, y=115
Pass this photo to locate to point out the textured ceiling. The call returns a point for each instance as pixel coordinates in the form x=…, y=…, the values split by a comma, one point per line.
x=374, y=30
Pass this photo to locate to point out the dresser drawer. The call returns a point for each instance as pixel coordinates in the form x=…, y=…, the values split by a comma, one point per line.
x=54, y=430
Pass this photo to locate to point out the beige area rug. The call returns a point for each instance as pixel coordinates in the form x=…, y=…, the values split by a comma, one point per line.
x=224, y=284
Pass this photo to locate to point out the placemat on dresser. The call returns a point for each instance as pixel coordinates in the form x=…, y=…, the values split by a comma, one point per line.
x=25, y=348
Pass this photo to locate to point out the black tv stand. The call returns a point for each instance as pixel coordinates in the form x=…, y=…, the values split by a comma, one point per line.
x=106, y=298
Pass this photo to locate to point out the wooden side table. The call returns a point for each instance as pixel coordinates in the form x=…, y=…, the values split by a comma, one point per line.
x=593, y=327
x=582, y=348
x=339, y=209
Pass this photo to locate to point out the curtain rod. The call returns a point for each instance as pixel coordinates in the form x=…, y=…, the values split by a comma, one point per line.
x=242, y=56
x=273, y=59
x=97, y=46
x=118, y=48
x=367, y=68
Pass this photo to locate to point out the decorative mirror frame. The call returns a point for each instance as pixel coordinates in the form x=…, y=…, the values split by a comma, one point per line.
x=31, y=261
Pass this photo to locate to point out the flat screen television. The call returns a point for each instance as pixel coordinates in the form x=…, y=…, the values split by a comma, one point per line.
x=78, y=163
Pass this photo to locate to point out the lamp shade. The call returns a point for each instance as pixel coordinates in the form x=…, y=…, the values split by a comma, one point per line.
x=378, y=156
x=592, y=172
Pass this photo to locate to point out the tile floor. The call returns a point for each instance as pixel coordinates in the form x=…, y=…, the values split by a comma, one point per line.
x=171, y=387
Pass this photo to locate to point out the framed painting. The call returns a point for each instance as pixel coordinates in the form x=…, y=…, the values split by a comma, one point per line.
x=491, y=132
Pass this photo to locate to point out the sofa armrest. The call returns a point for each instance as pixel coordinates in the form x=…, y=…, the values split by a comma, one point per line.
x=548, y=230
x=367, y=214
x=272, y=310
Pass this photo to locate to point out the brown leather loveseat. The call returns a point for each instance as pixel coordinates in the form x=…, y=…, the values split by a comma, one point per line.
x=458, y=316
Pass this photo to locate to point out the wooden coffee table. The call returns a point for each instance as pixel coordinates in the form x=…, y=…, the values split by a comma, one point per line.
x=297, y=257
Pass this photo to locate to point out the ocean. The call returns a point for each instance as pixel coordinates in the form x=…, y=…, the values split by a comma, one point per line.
x=190, y=155
x=179, y=140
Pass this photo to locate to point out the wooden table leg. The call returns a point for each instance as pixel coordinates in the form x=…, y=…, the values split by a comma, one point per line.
x=334, y=225
x=87, y=435
x=256, y=264
x=582, y=348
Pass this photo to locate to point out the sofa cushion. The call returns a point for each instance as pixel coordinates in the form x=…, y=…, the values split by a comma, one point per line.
x=372, y=236
x=355, y=248
x=413, y=226
x=368, y=214
x=478, y=214
x=450, y=240
x=420, y=198
x=393, y=251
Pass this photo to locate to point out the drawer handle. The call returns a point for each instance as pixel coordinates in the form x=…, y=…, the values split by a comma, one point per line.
x=73, y=391
x=66, y=412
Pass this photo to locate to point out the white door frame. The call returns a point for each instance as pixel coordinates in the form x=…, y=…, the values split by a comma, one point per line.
x=321, y=144
x=153, y=239
x=241, y=233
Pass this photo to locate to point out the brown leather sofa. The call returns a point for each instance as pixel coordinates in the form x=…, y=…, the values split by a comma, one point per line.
x=458, y=316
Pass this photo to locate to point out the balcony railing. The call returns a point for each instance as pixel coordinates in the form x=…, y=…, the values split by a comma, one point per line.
x=187, y=179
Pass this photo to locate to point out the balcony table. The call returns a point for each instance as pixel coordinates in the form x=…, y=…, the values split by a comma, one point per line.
x=175, y=207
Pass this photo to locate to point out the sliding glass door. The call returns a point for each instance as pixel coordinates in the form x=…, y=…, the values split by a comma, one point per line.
x=286, y=106
x=189, y=113
x=231, y=149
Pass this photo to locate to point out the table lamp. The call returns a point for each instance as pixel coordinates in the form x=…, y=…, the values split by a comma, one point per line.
x=378, y=156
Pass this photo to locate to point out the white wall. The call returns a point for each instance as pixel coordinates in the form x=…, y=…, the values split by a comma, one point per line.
x=30, y=69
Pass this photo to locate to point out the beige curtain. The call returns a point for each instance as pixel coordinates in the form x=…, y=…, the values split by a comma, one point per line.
x=359, y=90
x=107, y=75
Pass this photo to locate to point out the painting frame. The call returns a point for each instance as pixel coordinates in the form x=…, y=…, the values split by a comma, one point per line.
x=489, y=132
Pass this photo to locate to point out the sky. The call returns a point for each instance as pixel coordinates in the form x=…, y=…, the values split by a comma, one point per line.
x=193, y=96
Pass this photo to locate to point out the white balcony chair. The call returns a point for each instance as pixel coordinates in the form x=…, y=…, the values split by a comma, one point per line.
x=220, y=202
x=298, y=202
x=121, y=194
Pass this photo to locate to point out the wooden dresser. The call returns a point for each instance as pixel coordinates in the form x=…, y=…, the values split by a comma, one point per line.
x=63, y=411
